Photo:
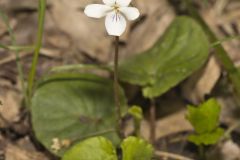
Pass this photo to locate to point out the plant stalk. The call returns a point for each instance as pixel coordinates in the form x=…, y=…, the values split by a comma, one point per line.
x=38, y=45
x=152, y=120
x=116, y=89
x=137, y=127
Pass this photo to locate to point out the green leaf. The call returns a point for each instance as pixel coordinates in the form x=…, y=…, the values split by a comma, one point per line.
x=204, y=118
x=136, y=112
x=182, y=50
x=136, y=149
x=74, y=107
x=207, y=138
x=99, y=148
x=96, y=148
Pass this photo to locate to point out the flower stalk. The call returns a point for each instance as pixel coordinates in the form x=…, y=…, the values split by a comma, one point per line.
x=116, y=89
x=116, y=13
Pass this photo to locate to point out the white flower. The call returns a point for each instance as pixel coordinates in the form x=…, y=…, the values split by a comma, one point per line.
x=115, y=12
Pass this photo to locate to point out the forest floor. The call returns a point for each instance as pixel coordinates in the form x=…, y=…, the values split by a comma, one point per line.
x=71, y=38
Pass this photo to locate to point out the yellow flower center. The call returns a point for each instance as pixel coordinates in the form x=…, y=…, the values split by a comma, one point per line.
x=116, y=7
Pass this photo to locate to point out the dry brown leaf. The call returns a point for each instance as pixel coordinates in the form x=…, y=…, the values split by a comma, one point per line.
x=224, y=26
x=3, y=28
x=168, y=125
x=230, y=151
x=25, y=143
x=227, y=150
x=11, y=101
x=158, y=16
x=89, y=35
x=14, y=152
x=12, y=5
x=202, y=82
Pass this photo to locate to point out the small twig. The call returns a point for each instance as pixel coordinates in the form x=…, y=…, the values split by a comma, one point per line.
x=152, y=121
x=171, y=155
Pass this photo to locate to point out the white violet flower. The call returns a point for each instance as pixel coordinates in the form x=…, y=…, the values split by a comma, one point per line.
x=115, y=12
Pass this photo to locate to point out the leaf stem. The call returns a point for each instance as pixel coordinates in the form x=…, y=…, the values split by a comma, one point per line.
x=201, y=151
x=137, y=126
x=152, y=120
x=116, y=89
x=38, y=45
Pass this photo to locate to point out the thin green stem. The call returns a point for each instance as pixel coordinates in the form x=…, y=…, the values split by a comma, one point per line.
x=16, y=48
x=38, y=45
x=79, y=67
x=152, y=120
x=137, y=126
x=18, y=62
x=221, y=53
x=116, y=89
x=226, y=39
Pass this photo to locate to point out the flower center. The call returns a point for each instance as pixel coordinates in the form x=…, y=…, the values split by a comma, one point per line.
x=116, y=7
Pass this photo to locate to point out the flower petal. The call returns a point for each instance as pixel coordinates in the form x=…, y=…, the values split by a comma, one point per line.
x=97, y=10
x=109, y=2
x=123, y=3
x=131, y=13
x=115, y=24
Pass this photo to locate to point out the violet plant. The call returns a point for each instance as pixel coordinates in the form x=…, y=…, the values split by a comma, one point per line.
x=168, y=70
x=115, y=24
x=133, y=148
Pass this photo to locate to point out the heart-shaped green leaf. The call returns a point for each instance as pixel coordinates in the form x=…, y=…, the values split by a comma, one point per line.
x=182, y=50
x=134, y=148
x=71, y=107
x=205, y=121
x=96, y=148
x=207, y=138
x=136, y=112
x=99, y=148
x=205, y=117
